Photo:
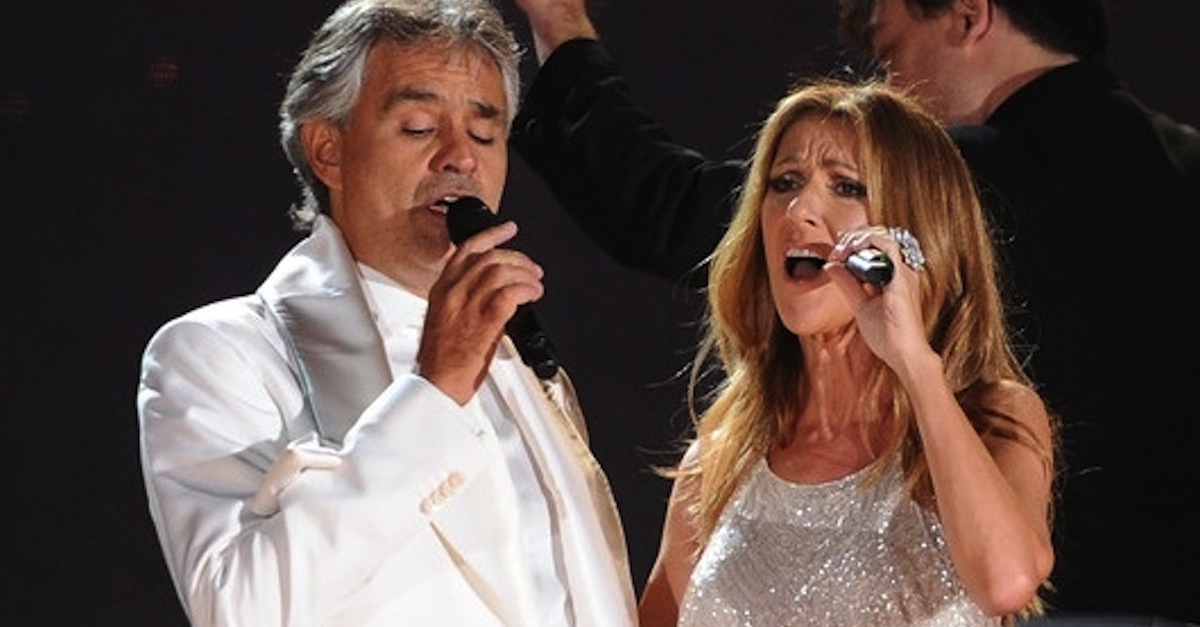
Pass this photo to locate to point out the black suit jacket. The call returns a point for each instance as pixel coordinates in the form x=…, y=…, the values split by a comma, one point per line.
x=1092, y=196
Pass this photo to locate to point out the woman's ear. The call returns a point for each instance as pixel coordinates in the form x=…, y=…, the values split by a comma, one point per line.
x=323, y=145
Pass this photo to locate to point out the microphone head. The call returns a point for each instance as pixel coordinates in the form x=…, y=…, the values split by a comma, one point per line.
x=467, y=216
x=871, y=265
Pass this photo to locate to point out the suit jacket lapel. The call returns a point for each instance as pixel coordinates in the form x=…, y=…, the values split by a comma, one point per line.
x=550, y=417
x=318, y=302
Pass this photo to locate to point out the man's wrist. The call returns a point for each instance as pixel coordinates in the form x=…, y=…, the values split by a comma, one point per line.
x=565, y=26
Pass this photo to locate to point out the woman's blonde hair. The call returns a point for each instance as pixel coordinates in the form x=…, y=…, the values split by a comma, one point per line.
x=916, y=179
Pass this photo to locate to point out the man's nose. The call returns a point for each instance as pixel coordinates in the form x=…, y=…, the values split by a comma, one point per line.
x=456, y=152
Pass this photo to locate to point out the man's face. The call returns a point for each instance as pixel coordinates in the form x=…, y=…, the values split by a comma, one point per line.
x=919, y=53
x=430, y=122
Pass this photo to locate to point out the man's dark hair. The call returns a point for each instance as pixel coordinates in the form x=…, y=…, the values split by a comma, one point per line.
x=1078, y=27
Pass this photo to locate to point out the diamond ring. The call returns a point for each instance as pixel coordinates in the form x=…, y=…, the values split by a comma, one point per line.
x=910, y=248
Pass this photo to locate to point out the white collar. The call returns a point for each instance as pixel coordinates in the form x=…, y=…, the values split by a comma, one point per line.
x=391, y=303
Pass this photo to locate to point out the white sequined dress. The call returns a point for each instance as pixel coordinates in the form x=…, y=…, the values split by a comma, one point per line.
x=832, y=554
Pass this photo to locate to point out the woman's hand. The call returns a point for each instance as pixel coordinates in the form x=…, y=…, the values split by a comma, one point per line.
x=889, y=317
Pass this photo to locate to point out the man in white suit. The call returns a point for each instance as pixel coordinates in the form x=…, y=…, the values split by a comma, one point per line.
x=358, y=443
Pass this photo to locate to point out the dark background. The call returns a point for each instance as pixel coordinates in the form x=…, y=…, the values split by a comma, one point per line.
x=140, y=176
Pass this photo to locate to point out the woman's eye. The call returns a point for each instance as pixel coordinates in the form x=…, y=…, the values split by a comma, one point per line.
x=850, y=189
x=783, y=184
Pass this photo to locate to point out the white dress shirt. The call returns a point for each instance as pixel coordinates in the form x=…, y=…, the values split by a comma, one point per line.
x=538, y=580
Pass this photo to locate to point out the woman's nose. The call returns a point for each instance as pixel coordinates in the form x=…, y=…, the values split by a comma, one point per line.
x=801, y=209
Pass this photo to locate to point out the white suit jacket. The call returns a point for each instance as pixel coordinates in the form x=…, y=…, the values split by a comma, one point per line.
x=393, y=534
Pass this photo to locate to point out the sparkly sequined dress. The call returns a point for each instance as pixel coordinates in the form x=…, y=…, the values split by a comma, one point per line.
x=831, y=554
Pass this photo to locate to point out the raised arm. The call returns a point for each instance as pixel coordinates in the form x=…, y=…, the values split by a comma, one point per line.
x=556, y=21
x=652, y=204
x=260, y=526
x=993, y=493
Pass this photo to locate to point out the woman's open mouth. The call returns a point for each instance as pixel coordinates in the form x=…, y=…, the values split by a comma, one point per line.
x=804, y=265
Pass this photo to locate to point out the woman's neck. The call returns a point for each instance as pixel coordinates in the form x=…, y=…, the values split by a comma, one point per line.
x=838, y=431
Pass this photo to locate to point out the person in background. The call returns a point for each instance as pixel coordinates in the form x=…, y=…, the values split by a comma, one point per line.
x=358, y=443
x=1091, y=192
x=875, y=455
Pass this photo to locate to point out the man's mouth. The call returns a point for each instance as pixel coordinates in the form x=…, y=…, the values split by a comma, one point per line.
x=442, y=205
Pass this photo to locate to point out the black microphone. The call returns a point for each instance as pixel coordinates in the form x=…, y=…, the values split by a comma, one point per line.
x=467, y=216
x=871, y=265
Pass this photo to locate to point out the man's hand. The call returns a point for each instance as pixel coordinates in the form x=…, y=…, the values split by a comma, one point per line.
x=469, y=305
x=556, y=21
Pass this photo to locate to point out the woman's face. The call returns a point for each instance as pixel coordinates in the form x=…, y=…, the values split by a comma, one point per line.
x=814, y=193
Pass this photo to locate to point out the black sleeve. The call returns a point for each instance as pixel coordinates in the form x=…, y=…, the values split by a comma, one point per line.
x=650, y=203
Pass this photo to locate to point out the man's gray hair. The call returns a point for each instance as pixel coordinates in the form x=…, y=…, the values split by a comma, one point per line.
x=325, y=83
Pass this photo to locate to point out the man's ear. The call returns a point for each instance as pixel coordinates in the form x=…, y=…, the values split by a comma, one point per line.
x=972, y=18
x=323, y=145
